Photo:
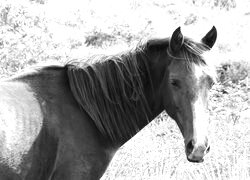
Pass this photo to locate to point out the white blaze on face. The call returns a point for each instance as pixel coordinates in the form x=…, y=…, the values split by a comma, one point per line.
x=190, y=86
x=200, y=114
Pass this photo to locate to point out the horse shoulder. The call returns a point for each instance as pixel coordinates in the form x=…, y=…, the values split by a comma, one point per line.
x=21, y=121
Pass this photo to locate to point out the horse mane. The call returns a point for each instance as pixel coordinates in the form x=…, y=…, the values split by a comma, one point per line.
x=110, y=90
x=192, y=52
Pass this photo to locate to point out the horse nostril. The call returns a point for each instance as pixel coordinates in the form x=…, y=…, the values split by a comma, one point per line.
x=208, y=149
x=190, y=147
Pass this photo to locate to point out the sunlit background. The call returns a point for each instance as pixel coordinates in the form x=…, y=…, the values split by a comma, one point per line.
x=56, y=31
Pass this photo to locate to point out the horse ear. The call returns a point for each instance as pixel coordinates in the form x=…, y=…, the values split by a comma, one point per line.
x=176, y=40
x=210, y=38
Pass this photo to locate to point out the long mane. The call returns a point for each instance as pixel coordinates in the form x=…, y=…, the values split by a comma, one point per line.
x=110, y=90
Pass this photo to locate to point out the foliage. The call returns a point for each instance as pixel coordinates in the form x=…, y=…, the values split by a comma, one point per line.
x=233, y=73
x=222, y=4
x=36, y=31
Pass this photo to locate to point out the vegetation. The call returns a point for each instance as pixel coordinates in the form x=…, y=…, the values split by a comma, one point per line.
x=39, y=31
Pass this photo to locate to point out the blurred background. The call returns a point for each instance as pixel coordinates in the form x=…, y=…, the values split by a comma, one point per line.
x=53, y=31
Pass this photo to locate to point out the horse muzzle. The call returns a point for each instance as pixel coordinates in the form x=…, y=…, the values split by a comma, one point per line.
x=195, y=152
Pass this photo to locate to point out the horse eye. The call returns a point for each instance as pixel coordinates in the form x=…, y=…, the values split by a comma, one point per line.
x=175, y=83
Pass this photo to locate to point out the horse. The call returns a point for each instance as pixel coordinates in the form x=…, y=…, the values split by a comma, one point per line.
x=65, y=122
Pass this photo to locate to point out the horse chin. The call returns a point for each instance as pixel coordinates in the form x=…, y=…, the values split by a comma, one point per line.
x=195, y=160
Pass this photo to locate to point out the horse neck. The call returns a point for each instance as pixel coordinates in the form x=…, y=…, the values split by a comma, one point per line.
x=153, y=76
x=154, y=91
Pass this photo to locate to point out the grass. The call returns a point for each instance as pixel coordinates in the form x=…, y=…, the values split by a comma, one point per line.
x=38, y=31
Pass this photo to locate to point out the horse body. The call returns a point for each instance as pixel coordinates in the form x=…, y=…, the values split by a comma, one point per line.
x=17, y=125
x=67, y=122
x=39, y=135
